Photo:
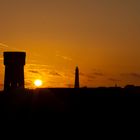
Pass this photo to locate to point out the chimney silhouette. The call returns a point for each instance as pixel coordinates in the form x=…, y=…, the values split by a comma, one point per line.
x=14, y=70
x=77, y=85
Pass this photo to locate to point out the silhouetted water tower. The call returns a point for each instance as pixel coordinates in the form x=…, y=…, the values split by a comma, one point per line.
x=77, y=84
x=14, y=70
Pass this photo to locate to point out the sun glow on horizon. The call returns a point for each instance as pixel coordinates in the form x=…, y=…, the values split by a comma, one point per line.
x=38, y=83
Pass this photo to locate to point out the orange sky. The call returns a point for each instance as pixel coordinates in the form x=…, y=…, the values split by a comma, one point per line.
x=102, y=37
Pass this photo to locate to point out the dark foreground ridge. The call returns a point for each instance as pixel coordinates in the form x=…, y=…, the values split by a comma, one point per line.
x=41, y=102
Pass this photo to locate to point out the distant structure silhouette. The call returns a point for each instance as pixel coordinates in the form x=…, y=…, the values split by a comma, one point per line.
x=14, y=70
x=77, y=84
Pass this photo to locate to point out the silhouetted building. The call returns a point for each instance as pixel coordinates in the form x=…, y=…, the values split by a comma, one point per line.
x=14, y=70
x=77, y=84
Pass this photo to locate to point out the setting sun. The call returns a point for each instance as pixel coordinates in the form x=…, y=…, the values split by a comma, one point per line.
x=38, y=83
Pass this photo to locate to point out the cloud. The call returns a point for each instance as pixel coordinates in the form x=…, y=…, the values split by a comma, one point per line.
x=2, y=48
x=90, y=76
x=134, y=75
x=64, y=57
x=55, y=73
x=37, y=66
x=137, y=75
x=3, y=45
x=34, y=71
x=113, y=79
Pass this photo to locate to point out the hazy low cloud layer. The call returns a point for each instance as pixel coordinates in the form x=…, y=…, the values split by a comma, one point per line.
x=114, y=80
x=131, y=75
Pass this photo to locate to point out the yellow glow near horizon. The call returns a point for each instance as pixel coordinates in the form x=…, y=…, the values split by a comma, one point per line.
x=38, y=83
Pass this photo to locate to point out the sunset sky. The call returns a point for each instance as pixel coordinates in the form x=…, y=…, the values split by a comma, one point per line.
x=102, y=37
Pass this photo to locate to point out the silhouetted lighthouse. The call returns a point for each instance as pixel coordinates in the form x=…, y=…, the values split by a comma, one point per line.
x=77, y=85
x=14, y=70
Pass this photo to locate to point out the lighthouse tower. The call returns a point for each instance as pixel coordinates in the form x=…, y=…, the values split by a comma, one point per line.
x=77, y=84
